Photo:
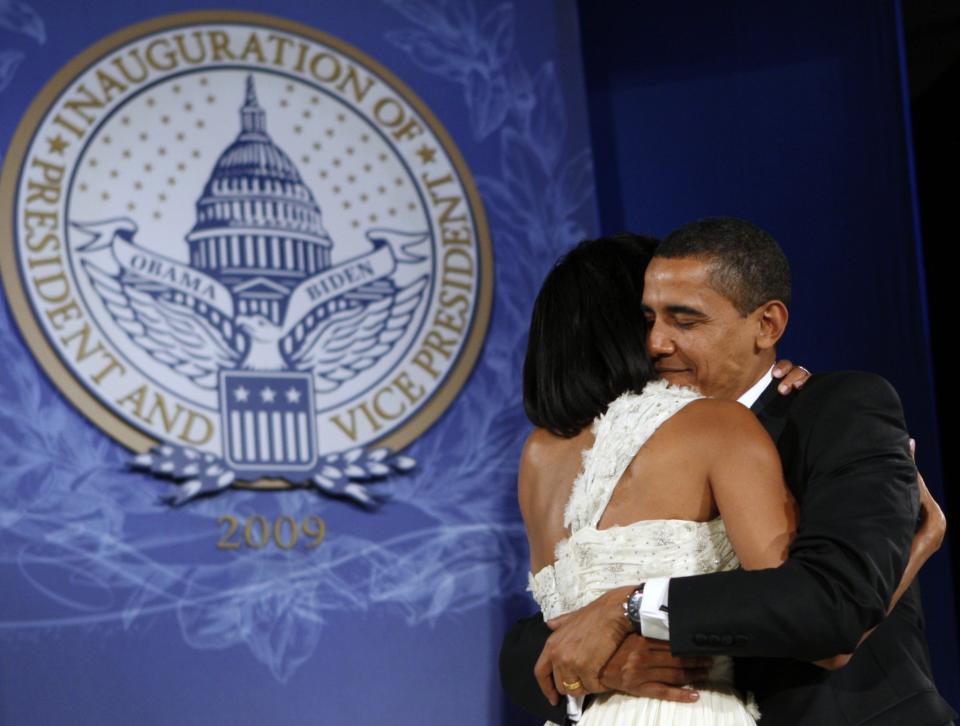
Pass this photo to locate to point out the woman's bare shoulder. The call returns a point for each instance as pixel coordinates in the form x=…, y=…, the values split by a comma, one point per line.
x=720, y=430
x=539, y=444
x=711, y=426
x=716, y=417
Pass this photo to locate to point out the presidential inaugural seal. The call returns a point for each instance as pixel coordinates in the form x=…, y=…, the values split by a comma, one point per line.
x=246, y=251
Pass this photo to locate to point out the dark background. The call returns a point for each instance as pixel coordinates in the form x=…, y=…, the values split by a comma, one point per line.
x=932, y=29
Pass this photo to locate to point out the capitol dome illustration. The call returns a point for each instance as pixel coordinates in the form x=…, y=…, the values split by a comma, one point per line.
x=258, y=231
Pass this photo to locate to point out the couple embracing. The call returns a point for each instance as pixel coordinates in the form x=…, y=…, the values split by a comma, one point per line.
x=712, y=542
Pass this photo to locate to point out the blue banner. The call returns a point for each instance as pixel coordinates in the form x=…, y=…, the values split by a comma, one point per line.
x=272, y=265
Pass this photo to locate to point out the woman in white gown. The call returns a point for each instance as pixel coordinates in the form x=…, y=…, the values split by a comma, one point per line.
x=660, y=482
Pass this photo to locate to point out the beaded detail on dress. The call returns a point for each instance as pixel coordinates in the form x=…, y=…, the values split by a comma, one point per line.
x=591, y=561
x=619, y=434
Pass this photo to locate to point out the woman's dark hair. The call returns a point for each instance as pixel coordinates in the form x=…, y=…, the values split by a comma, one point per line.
x=587, y=342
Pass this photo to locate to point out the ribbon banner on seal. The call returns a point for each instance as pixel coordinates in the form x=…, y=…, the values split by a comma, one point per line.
x=111, y=252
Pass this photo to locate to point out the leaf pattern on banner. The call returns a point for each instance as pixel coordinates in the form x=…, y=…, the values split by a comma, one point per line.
x=496, y=31
x=9, y=62
x=533, y=201
x=449, y=571
x=548, y=118
x=575, y=185
x=454, y=45
x=91, y=535
x=437, y=55
x=21, y=18
x=279, y=622
x=427, y=13
x=489, y=99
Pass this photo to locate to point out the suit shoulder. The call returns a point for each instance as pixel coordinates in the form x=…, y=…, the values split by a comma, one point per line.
x=844, y=386
x=833, y=404
x=850, y=378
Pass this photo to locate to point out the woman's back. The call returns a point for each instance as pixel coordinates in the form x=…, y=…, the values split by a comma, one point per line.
x=641, y=506
x=672, y=475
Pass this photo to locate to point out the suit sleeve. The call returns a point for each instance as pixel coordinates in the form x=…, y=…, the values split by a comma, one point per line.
x=858, y=512
x=518, y=655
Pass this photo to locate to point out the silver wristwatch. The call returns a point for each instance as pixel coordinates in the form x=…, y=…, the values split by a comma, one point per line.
x=631, y=607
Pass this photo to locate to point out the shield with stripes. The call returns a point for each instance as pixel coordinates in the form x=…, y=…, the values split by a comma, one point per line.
x=269, y=422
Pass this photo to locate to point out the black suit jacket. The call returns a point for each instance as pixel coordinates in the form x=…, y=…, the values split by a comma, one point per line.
x=843, y=443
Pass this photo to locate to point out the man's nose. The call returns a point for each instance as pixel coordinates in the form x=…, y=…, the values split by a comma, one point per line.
x=658, y=342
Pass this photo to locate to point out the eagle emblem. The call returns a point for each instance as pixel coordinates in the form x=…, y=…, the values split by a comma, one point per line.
x=259, y=294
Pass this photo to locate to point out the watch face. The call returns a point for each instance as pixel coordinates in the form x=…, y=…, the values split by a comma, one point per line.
x=633, y=606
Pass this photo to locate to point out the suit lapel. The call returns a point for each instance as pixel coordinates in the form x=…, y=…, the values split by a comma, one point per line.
x=771, y=409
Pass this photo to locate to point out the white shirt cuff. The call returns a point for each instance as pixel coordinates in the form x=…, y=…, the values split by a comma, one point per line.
x=654, y=621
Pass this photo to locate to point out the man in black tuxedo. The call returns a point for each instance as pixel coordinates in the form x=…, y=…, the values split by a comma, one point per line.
x=716, y=295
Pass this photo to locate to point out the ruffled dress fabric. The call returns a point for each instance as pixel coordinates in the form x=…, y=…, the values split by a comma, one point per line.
x=592, y=561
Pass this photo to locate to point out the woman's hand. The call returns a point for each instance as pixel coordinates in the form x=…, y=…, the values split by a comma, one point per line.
x=933, y=525
x=793, y=376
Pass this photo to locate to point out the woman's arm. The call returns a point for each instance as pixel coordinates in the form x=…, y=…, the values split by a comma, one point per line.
x=746, y=479
x=927, y=540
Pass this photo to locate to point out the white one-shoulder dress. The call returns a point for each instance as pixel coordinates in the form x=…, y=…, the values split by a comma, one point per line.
x=592, y=561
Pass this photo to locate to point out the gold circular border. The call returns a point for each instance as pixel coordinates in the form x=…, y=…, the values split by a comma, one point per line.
x=64, y=378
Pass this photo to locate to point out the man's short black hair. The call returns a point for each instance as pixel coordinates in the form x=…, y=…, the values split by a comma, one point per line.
x=587, y=342
x=747, y=265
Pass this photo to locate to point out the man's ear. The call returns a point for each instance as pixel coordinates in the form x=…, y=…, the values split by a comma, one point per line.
x=772, y=320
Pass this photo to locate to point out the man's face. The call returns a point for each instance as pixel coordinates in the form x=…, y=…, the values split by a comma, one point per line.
x=697, y=337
